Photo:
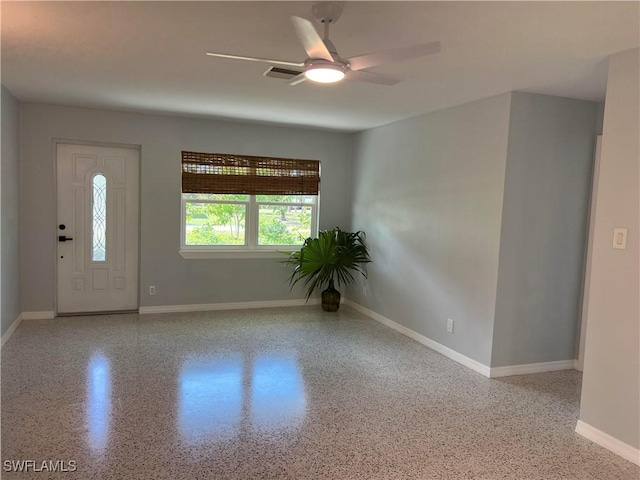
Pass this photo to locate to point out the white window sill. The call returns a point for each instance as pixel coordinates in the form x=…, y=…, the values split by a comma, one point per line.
x=204, y=254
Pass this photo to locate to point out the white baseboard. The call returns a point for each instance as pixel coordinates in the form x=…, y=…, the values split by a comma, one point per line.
x=526, y=369
x=205, y=307
x=433, y=345
x=462, y=359
x=10, y=330
x=46, y=315
x=607, y=441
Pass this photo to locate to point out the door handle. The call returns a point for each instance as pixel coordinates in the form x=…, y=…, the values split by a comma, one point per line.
x=63, y=238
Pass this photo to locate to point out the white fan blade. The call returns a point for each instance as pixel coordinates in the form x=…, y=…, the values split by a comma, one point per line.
x=393, y=55
x=298, y=79
x=371, y=77
x=254, y=59
x=312, y=42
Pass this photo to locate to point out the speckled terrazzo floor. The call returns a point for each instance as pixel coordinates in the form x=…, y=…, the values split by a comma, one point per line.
x=278, y=393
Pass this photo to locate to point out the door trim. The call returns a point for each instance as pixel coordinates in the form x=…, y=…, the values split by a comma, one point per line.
x=54, y=152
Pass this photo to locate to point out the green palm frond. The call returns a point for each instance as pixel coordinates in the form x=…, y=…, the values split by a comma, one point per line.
x=333, y=256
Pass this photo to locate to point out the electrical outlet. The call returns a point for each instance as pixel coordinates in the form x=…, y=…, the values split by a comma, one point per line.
x=449, y=325
x=152, y=290
x=364, y=290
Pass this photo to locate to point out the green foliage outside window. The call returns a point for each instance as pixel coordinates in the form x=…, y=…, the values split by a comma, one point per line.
x=215, y=223
x=224, y=223
x=293, y=230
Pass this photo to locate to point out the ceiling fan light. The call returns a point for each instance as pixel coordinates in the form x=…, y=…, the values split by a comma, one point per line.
x=324, y=73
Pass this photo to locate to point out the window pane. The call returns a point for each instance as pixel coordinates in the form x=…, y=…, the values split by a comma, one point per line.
x=283, y=224
x=286, y=198
x=99, y=250
x=217, y=196
x=215, y=224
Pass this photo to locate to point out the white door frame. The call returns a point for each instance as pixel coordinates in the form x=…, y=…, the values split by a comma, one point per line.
x=54, y=150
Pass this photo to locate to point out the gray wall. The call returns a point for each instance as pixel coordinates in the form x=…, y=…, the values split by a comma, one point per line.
x=478, y=213
x=600, y=118
x=611, y=382
x=10, y=228
x=177, y=281
x=544, y=223
x=428, y=192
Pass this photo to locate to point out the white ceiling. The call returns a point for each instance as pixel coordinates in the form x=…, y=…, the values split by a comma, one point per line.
x=150, y=56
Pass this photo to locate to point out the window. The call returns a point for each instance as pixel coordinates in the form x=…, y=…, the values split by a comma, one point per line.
x=238, y=203
x=99, y=250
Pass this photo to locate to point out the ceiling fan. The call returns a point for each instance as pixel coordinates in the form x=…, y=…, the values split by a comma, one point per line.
x=324, y=65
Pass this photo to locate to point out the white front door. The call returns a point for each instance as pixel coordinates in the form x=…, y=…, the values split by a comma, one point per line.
x=97, y=228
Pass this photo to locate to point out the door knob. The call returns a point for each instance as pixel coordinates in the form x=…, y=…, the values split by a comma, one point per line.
x=63, y=238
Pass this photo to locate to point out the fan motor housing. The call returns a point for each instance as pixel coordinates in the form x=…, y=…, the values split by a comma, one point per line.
x=339, y=64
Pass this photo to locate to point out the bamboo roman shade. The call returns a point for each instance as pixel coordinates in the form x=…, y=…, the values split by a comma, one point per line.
x=225, y=173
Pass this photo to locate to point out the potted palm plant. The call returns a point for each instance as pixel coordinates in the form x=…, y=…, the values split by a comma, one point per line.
x=331, y=258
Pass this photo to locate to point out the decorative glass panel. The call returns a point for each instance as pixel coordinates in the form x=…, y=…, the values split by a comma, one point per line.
x=99, y=218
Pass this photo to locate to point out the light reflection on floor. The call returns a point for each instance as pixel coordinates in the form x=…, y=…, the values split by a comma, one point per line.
x=216, y=394
x=210, y=399
x=277, y=392
x=98, y=402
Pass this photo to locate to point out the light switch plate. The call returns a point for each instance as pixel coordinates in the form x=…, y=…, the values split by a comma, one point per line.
x=620, y=238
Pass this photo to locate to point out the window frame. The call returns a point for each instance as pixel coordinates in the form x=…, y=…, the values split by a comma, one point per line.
x=250, y=248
